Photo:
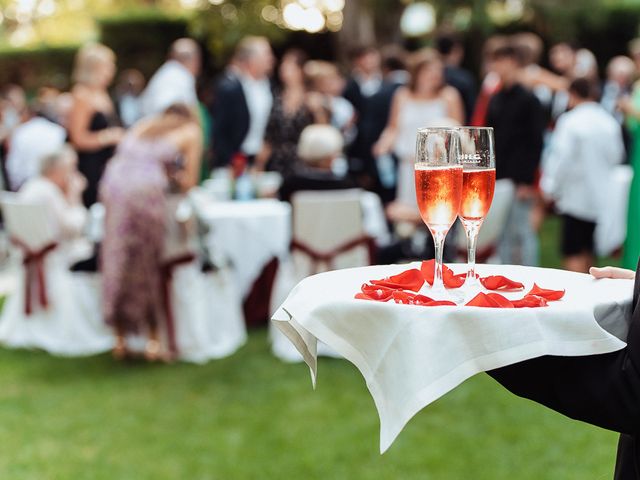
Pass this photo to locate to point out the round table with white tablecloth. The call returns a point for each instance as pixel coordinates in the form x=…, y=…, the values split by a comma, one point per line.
x=249, y=234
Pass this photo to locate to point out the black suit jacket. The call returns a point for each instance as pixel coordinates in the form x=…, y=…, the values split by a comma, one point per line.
x=373, y=116
x=463, y=81
x=602, y=390
x=518, y=122
x=230, y=119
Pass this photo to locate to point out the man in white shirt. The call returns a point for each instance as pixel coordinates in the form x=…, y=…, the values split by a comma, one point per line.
x=586, y=144
x=28, y=144
x=243, y=101
x=59, y=188
x=175, y=80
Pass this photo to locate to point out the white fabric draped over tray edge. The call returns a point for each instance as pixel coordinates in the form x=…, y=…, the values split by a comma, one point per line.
x=306, y=318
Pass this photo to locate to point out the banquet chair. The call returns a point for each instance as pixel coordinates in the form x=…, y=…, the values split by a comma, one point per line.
x=492, y=227
x=328, y=233
x=203, y=309
x=611, y=228
x=52, y=308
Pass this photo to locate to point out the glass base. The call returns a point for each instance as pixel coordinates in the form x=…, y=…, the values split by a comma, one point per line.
x=437, y=293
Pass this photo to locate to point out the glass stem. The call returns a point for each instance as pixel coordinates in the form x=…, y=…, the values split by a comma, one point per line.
x=471, y=229
x=438, y=240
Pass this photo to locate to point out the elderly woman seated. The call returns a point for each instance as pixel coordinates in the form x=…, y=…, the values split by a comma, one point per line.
x=59, y=188
x=318, y=147
x=52, y=309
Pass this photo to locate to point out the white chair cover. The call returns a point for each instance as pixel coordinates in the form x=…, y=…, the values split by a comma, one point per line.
x=322, y=221
x=207, y=307
x=208, y=311
x=72, y=323
x=374, y=219
x=493, y=225
x=611, y=228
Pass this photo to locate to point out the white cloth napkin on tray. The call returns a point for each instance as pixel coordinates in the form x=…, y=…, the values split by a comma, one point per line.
x=412, y=355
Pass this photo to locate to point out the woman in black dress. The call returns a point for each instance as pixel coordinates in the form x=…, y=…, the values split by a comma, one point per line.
x=93, y=125
x=291, y=113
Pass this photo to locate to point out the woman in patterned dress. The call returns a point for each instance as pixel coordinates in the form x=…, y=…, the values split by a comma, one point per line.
x=160, y=153
x=290, y=114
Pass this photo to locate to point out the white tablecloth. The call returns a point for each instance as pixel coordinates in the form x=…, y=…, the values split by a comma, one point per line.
x=249, y=233
x=411, y=355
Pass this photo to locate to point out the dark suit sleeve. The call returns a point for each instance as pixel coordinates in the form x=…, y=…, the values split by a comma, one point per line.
x=469, y=95
x=223, y=123
x=602, y=390
x=532, y=150
x=353, y=94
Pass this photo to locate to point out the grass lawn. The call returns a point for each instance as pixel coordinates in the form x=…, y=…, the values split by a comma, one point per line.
x=253, y=417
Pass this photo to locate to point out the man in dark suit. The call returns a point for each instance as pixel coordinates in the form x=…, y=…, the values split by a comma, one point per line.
x=451, y=50
x=518, y=122
x=243, y=102
x=603, y=390
x=370, y=94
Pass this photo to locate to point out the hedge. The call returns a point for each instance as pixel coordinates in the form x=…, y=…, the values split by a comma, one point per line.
x=139, y=40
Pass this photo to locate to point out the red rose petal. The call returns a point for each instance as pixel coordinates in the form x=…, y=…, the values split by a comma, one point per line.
x=530, y=301
x=362, y=296
x=428, y=269
x=489, y=300
x=409, y=280
x=482, y=300
x=550, y=295
x=450, y=279
x=500, y=300
x=404, y=298
x=422, y=300
x=408, y=298
x=440, y=303
x=373, y=292
x=500, y=282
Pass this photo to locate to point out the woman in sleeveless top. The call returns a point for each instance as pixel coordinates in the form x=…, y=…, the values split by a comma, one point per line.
x=425, y=102
x=159, y=153
x=93, y=129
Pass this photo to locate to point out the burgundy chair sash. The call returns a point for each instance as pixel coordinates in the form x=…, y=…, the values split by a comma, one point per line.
x=33, y=262
x=166, y=270
x=328, y=257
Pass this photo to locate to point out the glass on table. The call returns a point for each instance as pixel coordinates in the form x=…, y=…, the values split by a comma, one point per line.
x=438, y=177
x=477, y=158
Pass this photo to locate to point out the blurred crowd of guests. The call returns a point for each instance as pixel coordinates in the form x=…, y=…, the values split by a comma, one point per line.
x=558, y=131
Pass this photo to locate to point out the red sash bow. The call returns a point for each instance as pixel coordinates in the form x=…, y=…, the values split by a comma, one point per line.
x=33, y=262
x=328, y=257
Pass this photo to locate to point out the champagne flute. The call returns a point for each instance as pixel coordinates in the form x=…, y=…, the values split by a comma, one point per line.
x=438, y=176
x=478, y=183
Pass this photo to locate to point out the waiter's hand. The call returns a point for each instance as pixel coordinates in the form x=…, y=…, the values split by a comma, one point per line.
x=612, y=272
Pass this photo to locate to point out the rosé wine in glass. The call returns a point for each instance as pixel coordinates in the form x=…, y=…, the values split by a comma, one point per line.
x=438, y=177
x=479, y=181
x=438, y=190
x=477, y=193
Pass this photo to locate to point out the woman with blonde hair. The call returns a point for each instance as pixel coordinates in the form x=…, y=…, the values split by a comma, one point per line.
x=93, y=126
x=160, y=155
x=425, y=101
